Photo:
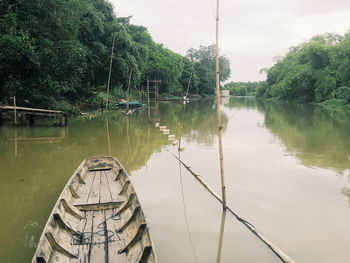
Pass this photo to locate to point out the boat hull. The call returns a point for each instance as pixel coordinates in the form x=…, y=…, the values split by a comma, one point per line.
x=97, y=218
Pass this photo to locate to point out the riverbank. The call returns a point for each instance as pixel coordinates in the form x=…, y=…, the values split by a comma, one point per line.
x=332, y=104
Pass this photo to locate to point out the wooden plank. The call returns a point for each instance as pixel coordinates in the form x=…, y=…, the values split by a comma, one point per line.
x=114, y=186
x=94, y=194
x=84, y=246
x=105, y=193
x=116, y=243
x=98, y=249
x=84, y=189
x=58, y=257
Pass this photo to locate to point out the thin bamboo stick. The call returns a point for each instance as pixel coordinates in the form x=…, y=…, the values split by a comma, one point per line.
x=218, y=110
x=110, y=72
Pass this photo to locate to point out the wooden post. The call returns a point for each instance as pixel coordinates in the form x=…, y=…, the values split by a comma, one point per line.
x=218, y=110
x=110, y=72
x=15, y=110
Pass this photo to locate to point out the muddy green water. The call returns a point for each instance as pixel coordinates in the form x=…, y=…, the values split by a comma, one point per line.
x=287, y=172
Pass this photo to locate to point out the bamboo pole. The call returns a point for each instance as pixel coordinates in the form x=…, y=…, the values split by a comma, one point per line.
x=283, y=256
x=218, y=109
x=110, y=72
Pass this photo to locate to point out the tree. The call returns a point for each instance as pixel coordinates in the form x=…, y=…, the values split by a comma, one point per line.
x=315, y=71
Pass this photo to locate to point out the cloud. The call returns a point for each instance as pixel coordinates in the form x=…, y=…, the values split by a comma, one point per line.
x=252, y=32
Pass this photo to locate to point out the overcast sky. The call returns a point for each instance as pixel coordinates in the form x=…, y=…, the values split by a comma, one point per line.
x=252, y=33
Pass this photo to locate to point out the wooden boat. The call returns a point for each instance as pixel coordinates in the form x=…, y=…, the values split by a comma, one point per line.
x=130, y=105
x=97, y=218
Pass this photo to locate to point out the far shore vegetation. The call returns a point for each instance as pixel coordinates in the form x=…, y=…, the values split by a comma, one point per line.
x=314, y=72
x=56, y=54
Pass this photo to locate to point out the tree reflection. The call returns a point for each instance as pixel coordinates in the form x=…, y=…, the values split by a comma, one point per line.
x=318, y=137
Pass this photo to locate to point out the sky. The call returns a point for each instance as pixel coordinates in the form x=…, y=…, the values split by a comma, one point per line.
x=252, y=32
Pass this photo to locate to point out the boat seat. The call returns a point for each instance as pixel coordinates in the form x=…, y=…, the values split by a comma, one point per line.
x=99, y=206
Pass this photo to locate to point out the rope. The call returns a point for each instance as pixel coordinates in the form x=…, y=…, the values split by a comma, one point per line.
x=83, y=238
x=279, y=253
x=185, y=213
x=180, y=170
x=184, y=108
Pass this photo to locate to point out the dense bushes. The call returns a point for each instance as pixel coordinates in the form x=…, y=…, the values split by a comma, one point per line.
x=243, y=88
x=315, y=71
x=57, y=52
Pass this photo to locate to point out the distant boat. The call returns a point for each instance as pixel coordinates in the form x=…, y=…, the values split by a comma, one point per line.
x=97, y=218
x=131, y=105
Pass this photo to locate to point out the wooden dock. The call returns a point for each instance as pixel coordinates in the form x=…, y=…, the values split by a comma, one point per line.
x=24, y=114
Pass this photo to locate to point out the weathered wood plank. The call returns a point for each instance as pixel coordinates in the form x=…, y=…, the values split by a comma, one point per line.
x=84, y=189
x=105, y=193
x=114, y=186
x=58, y=257
x=116, y=242
x=85, y=245
x=94, y=195
x=98, y=249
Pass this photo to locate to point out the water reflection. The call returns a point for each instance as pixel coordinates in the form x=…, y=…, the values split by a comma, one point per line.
x=346, y=191
x=47, y=156
x=317, y=137
x=36, y=162
x=221, y=236
x=185, y=210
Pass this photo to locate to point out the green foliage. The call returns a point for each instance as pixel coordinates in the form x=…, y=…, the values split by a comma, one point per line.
x=243, y=88
x=59, y=50
x=203, y=60
x=315, y=71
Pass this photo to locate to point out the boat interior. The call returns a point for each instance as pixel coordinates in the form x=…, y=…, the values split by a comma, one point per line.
x=97, y=218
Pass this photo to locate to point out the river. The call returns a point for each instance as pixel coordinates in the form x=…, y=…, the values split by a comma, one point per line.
x=287, y=172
